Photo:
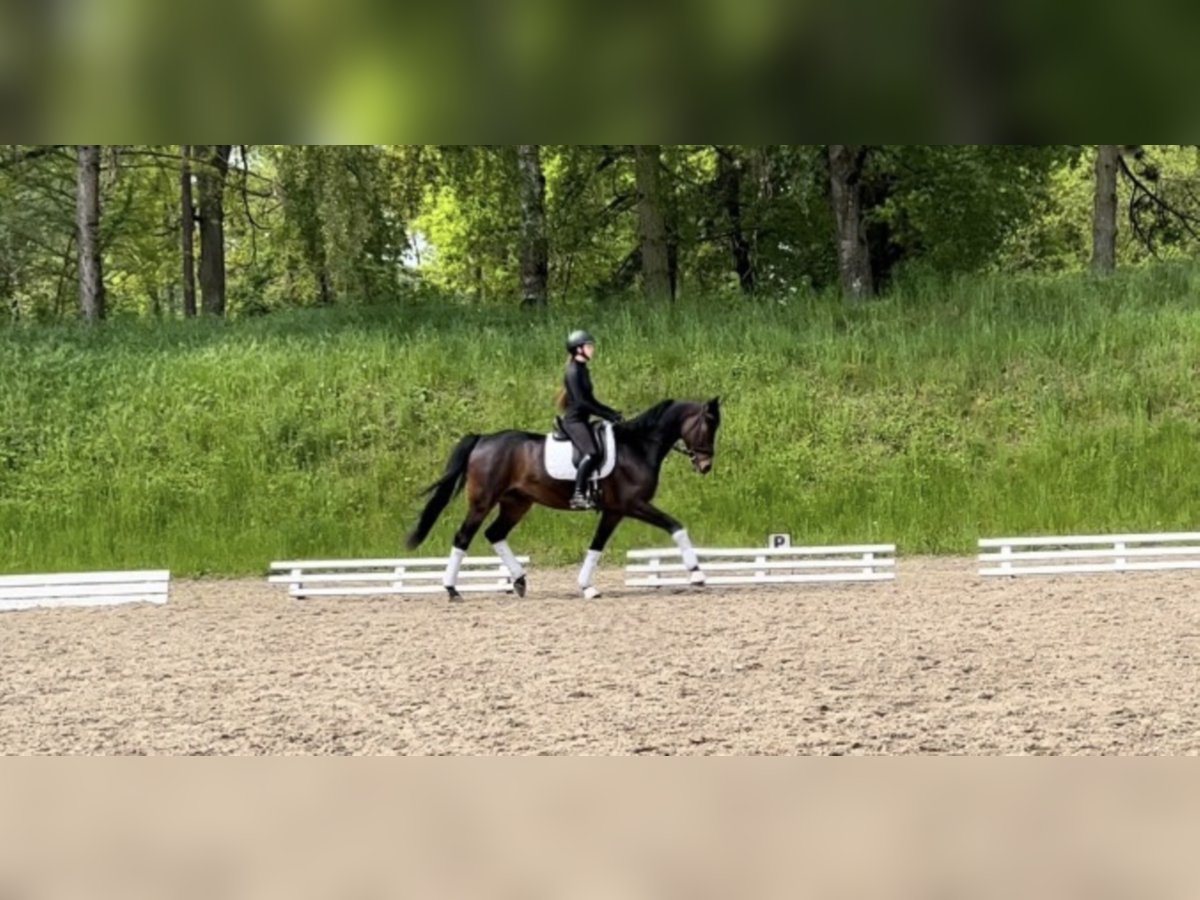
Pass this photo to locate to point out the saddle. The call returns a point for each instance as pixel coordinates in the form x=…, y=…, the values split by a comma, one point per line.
x=562, y=457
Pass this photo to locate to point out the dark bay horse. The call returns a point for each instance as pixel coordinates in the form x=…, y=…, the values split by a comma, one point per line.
x=507, y=469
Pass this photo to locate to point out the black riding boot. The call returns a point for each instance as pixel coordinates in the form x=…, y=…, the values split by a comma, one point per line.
x=580, y=499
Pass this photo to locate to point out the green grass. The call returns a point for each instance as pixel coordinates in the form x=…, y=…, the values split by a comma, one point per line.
x=945, y=412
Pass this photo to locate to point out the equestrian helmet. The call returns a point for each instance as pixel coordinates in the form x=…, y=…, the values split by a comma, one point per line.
x=577, y=339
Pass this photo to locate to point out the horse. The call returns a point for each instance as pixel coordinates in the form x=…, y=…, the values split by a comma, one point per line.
x=507, y=469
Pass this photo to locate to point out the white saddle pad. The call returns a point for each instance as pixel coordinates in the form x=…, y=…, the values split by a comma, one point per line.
x=560, y=465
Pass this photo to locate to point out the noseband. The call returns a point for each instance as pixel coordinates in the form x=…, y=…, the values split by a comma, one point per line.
x=688, y=451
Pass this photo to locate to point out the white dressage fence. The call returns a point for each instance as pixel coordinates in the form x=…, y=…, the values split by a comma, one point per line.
x=378, y=577
x=84, y=589
x=1082, y=554
x=764, y=565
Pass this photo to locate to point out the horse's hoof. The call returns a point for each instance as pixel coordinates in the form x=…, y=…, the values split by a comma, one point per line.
x=697, y=579
x=590, y=593
x=455, y=596
x=519, y=586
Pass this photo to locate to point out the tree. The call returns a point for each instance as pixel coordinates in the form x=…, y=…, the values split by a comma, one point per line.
x=284, y=226
x=210, y=179
x=300, y=175
x=345, y=209
x=652, y=229
x=846, y=163
x=87, y=222
x=953, y=209
x=535, y=252
x=729, y=182
x=188, y=231
x=1104, y=210
x=1164, y=208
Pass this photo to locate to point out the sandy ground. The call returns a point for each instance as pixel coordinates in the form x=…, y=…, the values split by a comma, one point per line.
x=939, y=661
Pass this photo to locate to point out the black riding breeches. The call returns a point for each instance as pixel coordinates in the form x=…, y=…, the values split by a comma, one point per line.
x=580, y=434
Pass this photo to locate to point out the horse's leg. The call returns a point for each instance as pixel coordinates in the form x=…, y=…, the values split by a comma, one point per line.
x=652, y=515
x=512, y=509
x=609, y=520
x=479, y=504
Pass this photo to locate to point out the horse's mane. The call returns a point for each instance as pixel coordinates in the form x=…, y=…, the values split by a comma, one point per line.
x=650, y=420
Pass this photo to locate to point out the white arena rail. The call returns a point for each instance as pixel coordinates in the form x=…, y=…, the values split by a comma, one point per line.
x=1082, y=554
x=378, y=577
x=83, y=589
x=765, y=565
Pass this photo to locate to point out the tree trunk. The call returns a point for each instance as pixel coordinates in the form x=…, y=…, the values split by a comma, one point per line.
x=761, y=170
x=671, y=217
x=729, y=180
x=210, y=180
x=535, y=248
x=87, y=220
x=188, y=232
x=845, y=181
x=63, y=277
x=652, y=229
x=1104, y=213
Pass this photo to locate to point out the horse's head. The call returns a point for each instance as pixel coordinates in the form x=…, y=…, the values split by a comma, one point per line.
x=699, y=433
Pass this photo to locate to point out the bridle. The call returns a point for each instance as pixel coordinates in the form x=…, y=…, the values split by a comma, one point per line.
x=690, y=453
x=681, y=446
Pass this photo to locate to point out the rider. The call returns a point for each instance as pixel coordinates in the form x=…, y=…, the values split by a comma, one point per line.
x=578, y=405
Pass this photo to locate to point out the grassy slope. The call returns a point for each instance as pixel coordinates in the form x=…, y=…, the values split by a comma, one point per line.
x=939, y=415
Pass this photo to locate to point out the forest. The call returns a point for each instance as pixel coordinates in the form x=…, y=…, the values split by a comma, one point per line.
x=177, y=231
x=212, y=356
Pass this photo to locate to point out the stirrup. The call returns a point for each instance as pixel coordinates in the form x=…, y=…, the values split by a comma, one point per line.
x=582, y=501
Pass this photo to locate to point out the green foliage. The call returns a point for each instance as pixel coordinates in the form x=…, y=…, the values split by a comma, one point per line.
x=950, y=207
x=37, y=248
x=469, y=216
x=343, y=235
x=322, y=225
x=1058, y=237
x=953, y=409
x=590, y=199
x=785, y=195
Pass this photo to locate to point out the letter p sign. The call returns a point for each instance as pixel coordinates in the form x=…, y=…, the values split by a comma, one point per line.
x=779, y=541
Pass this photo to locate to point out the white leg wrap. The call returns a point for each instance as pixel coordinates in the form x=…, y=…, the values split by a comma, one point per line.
x=451, y=577
x=684, y=543
x=515, y=569
x=589, y=568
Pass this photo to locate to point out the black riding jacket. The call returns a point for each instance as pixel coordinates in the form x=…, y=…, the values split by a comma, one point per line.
x=581, y=403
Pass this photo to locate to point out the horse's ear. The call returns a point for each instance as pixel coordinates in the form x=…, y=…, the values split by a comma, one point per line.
x=713, y=408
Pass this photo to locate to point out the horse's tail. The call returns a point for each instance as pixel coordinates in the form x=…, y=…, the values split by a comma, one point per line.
x=443, y=490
